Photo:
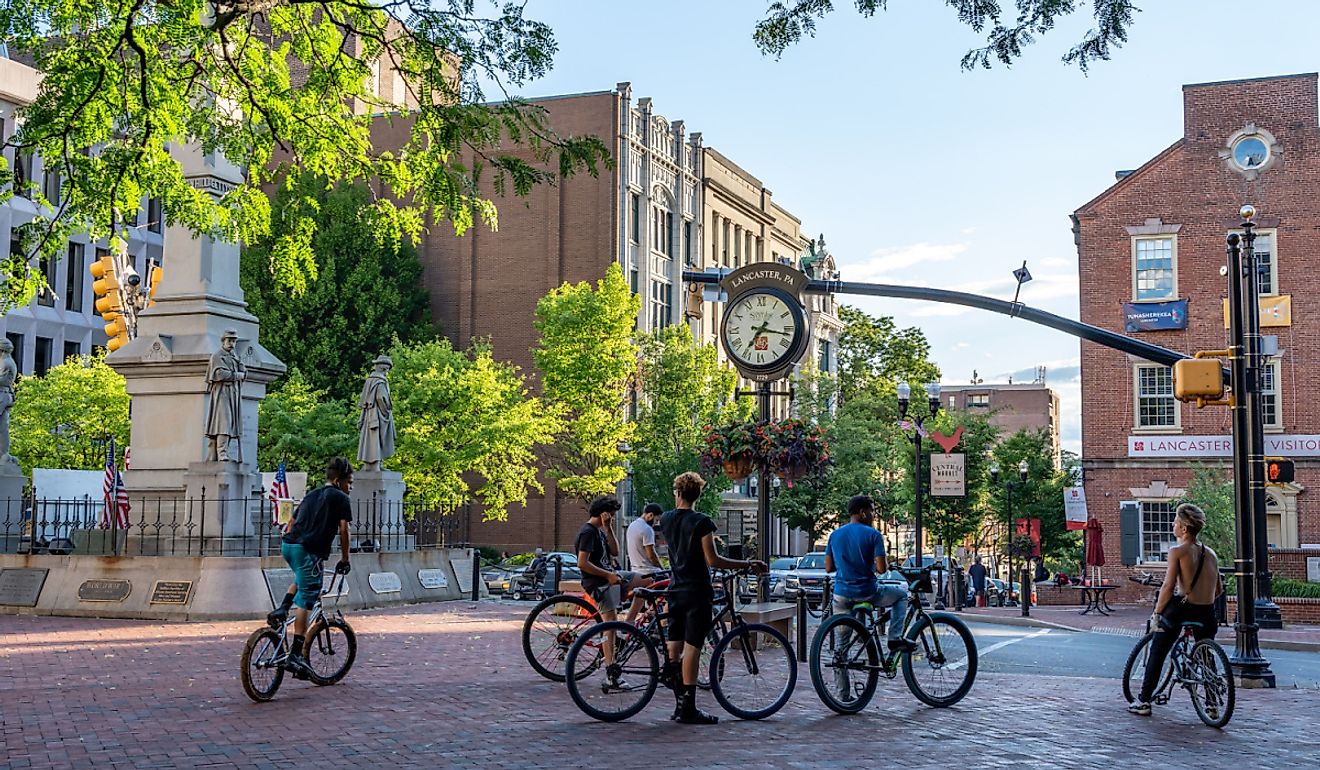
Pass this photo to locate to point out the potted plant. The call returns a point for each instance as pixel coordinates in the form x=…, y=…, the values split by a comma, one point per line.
x=733, y=448
x=796, y=449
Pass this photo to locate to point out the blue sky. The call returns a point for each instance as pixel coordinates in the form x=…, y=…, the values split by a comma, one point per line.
x=916, y=171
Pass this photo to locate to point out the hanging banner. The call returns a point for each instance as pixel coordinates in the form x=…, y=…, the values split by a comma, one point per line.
x=1155, y=316
x=1030, y=528
x=1274, y=311
x=1074, y=507
x=947, y=475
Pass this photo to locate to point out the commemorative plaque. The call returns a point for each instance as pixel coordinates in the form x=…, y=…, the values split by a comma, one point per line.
x=385, y=582
x=21, y=587
x=103, y=590
x=171, y=592
x=432, y=578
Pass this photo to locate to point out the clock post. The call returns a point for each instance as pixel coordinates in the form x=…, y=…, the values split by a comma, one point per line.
x=765, y=334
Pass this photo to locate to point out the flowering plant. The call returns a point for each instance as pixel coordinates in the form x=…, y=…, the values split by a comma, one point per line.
x=796, y=448
x=734, y=449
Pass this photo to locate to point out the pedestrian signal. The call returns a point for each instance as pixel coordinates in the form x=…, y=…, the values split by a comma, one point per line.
x=1279, y=471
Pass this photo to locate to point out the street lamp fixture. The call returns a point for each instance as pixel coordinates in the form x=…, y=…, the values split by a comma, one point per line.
x=933, y=405
x=1024, y=469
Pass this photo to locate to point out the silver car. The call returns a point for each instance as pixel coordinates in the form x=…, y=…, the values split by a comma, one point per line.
x=808, y=577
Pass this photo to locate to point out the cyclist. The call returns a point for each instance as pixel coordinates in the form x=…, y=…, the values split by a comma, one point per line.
x=856, y=553
x=596, y=549
x=691, y=539
x=1187, y=560
x=323, y=513
x=641, y=540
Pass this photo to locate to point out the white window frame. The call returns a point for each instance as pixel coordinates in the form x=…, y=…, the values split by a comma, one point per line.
x=1273, y=368
x=1173, y=252
x=1274, y=259
x=1136, y=403
x=978, y=400
x=1141, y=529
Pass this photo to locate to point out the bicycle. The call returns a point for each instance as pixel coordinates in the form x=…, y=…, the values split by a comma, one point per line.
x=1200, y=666
x=852, y=649
x=752, y=669
x=330, y=648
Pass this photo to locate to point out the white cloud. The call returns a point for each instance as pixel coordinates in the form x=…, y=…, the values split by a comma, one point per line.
x=1058, y=262
x=884, y=261
x=939, y=310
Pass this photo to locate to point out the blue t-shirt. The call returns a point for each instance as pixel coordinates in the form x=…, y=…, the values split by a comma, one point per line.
x=854, y=548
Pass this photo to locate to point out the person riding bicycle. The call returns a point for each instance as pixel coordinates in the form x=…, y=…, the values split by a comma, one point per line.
x=856, y=553
x=1187, y=561
x=323, y=513
x=596, y=549
x=691, y=538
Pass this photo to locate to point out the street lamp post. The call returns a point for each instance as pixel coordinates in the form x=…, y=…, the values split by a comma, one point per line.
x=1009, y=485
x=933, y=404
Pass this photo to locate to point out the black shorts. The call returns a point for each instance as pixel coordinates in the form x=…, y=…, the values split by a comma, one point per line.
x=690, y=618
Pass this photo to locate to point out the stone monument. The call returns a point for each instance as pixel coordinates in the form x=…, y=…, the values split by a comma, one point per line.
x=378, y=493
x=12, y=479
x=182, y=372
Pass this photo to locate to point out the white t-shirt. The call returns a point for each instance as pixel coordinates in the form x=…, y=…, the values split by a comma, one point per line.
x=640, y=535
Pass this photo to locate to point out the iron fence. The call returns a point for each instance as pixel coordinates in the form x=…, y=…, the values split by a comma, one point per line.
x=170, y=526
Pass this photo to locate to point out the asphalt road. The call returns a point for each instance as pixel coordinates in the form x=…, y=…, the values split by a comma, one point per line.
x=1051, y=652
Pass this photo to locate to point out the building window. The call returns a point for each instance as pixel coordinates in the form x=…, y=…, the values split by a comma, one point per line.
x=636, y=233
x=1154, y=269
x=669, y=234
x=17, y=341
x=47, y=294
x=662, y=299
x=1156, y=407
x=724, y=243
x=662, y=232
x=72, y=350
x=1156, y=530
x=73, y=278
x=41, y=355
x=824, y=363
x=1267, y=266
x=632, y=279
x=1271, y=413
x=687, y=242
x=978, y=401
x=22, y=173
x=50, y=184
x=155, y=221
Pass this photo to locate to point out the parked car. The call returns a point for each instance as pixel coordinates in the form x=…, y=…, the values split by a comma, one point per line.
x=807, y=577
x=779, y=569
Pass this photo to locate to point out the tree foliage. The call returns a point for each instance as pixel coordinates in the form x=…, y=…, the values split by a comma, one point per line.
x=683, y=387
x=1041, y=497
x=283, y=89
x=364, y=296
x=875, y=354
x=59, y=419
x=587, y=360
x=468, y=429
x=1212, y=490
x=788, y=21
x=305, y=427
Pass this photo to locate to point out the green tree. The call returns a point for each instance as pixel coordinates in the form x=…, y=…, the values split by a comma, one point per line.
x=1212, y=490
x=468, y=429
x=284, y=90
x=950, y=520
x=587, y=360
x=1042, y=495
x=788, y=21
x=58, y=419
x=305, y=427
x=683, y=388
x=875, y=353
x=365, y=294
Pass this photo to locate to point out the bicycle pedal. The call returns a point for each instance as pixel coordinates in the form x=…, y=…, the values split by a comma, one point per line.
x=1161, y=700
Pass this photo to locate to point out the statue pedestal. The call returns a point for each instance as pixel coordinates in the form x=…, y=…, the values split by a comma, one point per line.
x=12, y=482
x=222, y=498
x=378, y=510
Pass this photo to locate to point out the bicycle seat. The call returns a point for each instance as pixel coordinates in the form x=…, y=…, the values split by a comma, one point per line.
x=1191, y=624
x=651, y=593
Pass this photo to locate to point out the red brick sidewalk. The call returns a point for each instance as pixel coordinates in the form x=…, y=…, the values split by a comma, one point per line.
x=447, y=686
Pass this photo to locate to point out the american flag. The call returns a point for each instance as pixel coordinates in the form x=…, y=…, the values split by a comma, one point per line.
x=116, y=497
x=279, y=490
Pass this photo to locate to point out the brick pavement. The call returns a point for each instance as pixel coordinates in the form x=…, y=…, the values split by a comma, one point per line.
x=445, y=685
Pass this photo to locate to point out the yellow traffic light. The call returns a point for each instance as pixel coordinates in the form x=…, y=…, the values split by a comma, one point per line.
x=155, y=284
x=109, y=306
x=116, y=343
x=103, y=270
x=116, y=327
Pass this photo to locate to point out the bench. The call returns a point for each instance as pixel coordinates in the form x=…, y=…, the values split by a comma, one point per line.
x=777, y=615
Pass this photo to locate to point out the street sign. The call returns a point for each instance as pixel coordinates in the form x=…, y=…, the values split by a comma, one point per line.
x=948, y=475
x=1074, y=507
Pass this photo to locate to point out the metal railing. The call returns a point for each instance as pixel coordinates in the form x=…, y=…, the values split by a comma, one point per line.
x=171, y=526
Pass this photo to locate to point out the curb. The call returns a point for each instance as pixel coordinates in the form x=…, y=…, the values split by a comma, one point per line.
x=1017, y=620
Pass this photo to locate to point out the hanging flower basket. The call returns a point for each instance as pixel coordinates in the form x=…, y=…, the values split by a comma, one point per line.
x=732, y=449
x=739, y=468
x=796, y=449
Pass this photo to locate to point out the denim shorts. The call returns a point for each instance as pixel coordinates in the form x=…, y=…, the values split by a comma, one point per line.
x=306, y=573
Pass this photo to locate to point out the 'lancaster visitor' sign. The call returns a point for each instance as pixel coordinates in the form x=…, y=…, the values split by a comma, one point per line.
x=1218, y=446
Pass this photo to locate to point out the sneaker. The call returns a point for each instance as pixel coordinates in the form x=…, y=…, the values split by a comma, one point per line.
x=617, y=683
x=1140, y=709
x=297, y=665
x=902, y=645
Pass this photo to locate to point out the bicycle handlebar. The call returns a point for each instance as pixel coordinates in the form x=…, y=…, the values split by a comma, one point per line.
x=1146, y=579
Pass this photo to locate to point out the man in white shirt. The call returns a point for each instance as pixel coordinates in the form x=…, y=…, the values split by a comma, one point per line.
x=642, y=557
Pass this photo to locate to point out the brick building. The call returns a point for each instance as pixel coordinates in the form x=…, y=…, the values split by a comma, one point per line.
x=1010, y=407
x=1150, y=249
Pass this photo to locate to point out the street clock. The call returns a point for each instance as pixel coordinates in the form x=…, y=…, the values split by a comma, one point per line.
x=765, y=329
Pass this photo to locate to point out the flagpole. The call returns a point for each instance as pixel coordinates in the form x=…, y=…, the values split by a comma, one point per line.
x=112, y=501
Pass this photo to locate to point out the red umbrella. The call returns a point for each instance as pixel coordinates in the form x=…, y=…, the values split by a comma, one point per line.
x=1095, y=545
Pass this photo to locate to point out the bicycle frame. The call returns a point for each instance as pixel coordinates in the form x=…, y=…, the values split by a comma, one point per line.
x=876, y=627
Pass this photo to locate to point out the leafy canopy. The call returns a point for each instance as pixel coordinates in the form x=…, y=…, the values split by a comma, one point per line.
x=305, y=427
x=875, y=354
x=59, y=419
x=1041, y=497
x=788, y=21
x=283, y=89
x=1212, y=490
x=587, y=360
x=365, y=294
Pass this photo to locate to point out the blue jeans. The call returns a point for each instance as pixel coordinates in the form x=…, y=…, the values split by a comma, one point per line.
x=887, y=595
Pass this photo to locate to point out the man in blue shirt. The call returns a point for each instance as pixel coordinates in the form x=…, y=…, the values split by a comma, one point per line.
x=856, y=554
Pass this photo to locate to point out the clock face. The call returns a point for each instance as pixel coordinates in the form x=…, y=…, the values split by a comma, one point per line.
x=761, y=329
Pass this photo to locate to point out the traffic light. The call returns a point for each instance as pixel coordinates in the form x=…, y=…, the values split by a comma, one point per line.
x=154, y=278
x=117, y=331
x=1278, y=471
x=109, y=304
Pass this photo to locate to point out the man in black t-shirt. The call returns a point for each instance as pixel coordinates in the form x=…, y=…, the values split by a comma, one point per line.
x=691, y=538
x=597, y=547
x=322, y=514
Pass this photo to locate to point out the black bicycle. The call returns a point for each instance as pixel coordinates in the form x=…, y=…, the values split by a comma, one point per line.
x=330, y=648
x=752, y=669
x=850, y=652
x=1200, y=666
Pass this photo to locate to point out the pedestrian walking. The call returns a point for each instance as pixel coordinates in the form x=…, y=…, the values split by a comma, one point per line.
x=978, y=574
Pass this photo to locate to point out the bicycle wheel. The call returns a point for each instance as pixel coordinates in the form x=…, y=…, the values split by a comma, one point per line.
x=1213, y=693
x=940, y=671
x=757, y=671
x=845, y=664
x=262, y=671
x=619, y=690
x=550, y=629
x=331, y=648
x=707, y=652
x=1135, y=669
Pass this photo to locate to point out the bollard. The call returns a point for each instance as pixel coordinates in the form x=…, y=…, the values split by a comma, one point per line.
x=802, y=627
x=559, y=573
x=1024, y=598
x=959, y=588
x=476, y=575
